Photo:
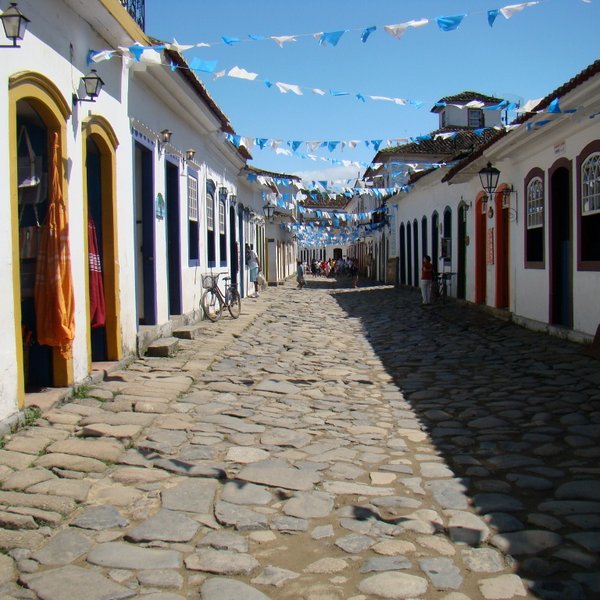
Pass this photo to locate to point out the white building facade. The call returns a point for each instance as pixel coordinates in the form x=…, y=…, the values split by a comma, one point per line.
x=153, y=193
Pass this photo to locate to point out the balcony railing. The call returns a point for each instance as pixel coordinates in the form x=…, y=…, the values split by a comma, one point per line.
x=137, y=10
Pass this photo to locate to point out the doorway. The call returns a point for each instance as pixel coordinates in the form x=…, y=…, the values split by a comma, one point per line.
x=402, y=255
x=502, y=253
x=234, y=249
x=173, y=237
x=461, y=266
x=144, y=236
x=435, y=244
x=32, y=153
x=561, y=274
x=480, y=250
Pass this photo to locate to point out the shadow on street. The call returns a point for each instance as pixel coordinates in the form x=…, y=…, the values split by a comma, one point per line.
x=516, y=416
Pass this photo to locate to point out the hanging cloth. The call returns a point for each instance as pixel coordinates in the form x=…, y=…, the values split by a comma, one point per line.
x=97, y=304
x=54, y=300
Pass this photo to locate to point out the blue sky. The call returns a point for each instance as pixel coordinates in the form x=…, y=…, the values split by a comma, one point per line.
x=522, y=58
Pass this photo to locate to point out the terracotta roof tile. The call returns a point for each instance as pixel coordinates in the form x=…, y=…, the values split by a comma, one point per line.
x=587, y=73
x=464, y=97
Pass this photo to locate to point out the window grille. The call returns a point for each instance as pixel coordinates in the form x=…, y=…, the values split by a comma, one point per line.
x=590, y=192
x=535, y=203
x=210, y=212
x=222, y=218
x=192, y=199
x=475, y=118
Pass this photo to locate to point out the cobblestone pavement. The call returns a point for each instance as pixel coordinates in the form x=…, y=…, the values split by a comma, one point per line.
x=329, y=444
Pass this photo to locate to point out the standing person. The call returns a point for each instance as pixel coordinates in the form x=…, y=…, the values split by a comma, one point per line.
x=354, y=271
x=426, y=279
x=254, y=266
x=313, y=267
x=300, y=274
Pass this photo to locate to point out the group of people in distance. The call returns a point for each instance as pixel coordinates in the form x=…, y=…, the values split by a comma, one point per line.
x=328, y=268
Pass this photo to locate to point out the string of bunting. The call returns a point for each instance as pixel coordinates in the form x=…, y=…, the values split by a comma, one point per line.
x=332, y=38
x=151, y=54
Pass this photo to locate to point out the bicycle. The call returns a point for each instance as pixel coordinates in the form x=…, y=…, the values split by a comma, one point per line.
x=439, y=286
x=213, y=300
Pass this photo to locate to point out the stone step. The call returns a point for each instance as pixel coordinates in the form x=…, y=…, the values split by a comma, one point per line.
x=163, y=347
x=187, y=332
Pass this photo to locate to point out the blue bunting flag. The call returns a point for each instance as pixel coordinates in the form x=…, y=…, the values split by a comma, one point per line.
x=366, y=33
x=449, y=23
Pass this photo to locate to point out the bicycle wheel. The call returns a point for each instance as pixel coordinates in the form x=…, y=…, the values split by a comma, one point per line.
x=212, y=305
x=235, y=303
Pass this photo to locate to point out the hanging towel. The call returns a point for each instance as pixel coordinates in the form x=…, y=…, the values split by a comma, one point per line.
x=97, y=303
x=54, y=299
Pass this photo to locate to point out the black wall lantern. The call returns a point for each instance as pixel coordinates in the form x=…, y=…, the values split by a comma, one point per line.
x=269, y=209
x=15, y=25
x=223, y=193
x=164, y=139
x=93, y=86
x=489, y=179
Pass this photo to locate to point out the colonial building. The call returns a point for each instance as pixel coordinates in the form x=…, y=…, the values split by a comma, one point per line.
x=528, y=246
x=124, y=166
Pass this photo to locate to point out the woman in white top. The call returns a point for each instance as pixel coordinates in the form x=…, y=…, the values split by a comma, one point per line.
x=254, y=266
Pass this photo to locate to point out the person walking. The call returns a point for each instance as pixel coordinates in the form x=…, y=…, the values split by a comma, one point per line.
x=254, y=266
x=300, y=274
x=426, y=279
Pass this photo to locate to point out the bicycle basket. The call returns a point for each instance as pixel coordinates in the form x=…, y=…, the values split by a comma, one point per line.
x=209, y=281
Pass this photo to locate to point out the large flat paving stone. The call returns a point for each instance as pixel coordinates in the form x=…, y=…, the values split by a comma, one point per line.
x=281, y=477
x=221, y=588
x=64, y=548
x=74, y=582
x=394, y=586
x=104, y=450
x=166, y=526
x=119, y=555
x=192, y=495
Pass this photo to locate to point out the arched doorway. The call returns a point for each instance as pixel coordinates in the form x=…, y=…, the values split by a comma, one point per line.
x=145, y=219
x=561, y=251
x=234, y=249
x=480, y=218
x=402, y=255
x=37, y=113
x=502, y=250
x=461, y=263
x=435, y=247
x=409, y=255
x=103, y=279
x=416, y=252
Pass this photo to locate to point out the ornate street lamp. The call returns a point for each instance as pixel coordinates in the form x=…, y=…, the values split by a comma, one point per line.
x=489, y=179
x=93, y=86
x=269, y=209
x=15, y=24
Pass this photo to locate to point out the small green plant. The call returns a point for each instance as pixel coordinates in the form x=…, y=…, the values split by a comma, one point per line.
x=2, y=442
x=32, y=414
x=81, y=391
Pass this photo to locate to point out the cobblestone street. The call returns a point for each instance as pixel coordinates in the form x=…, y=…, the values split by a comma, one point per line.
x=332, y=443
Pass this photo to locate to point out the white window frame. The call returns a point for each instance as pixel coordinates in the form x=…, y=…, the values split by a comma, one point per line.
x=535, y=203
x=590, y=185
x=210, y=212
x=221, y=218
x=475, y=112
x=193, y=210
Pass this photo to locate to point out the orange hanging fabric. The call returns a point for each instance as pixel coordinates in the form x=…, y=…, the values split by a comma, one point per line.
x=54, y=300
